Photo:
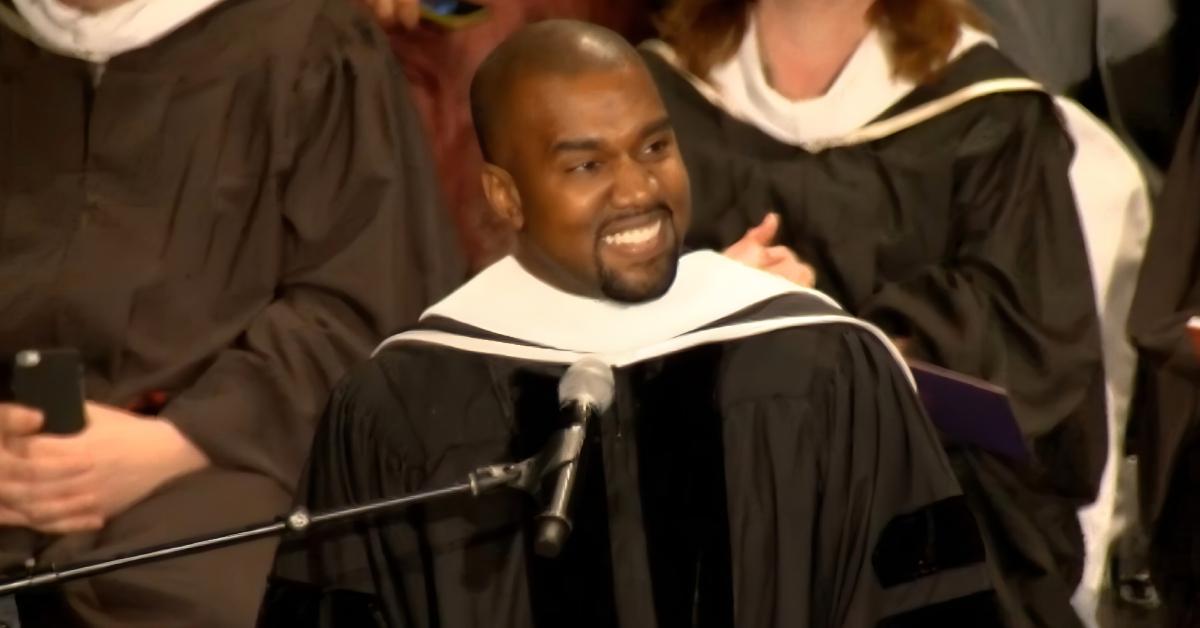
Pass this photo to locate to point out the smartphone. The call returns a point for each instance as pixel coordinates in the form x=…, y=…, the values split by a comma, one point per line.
x=50, y=380
x=453, y=14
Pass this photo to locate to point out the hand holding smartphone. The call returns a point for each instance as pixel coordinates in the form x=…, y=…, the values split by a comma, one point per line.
x=51, y=381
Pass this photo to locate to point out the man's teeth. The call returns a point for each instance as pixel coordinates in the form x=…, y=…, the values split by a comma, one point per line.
x=635, y=236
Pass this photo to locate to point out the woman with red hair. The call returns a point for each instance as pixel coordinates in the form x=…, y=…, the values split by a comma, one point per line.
x=929, y=183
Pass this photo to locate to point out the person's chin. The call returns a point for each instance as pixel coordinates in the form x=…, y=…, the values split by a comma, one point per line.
x=642, y=284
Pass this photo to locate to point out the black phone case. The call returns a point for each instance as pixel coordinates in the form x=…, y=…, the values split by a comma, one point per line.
x=51, y=381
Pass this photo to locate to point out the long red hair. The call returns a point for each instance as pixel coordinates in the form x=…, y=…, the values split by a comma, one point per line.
x=920, y=33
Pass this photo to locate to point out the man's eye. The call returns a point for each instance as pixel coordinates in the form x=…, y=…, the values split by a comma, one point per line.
x=658, y=146
x=587, y=166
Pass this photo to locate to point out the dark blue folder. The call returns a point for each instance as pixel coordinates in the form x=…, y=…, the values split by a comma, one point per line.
x=969, y=411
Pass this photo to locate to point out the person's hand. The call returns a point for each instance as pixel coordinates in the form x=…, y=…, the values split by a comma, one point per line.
x=61, y=484
x=406, y=13
x=21, y=482
x=756, y=250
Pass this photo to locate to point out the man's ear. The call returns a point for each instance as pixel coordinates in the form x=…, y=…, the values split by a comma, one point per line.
x=502, y=195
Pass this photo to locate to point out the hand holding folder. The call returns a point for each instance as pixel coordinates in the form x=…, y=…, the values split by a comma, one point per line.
x=970, y=411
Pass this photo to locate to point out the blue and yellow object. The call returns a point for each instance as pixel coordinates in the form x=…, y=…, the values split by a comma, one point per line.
x=453, y=13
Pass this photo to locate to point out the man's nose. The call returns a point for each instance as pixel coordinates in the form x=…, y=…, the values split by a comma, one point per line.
x=634, y=185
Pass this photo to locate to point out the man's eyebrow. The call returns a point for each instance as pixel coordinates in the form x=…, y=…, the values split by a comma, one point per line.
x=573, y=144
x=658, y=126
x=591, y=143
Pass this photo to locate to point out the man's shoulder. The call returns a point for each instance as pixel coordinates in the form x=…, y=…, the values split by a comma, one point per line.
x=796, y=360
x=412, y=371
x=410, y=398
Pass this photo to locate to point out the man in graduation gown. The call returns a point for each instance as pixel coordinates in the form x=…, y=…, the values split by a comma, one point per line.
x=942, y=211
x=1166, y=410
x=439, y=62
x=221, y=205
x=765, y=462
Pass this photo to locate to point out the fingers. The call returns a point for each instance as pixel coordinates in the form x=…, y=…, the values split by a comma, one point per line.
x=45, y=481
x=408, y=13
x=10, y=517
x=385, y=11
x=71, y=525
x=18, y=420
x=73, y=510
x=798, y=273
x=745, y=251
x=779, y=254
x=19, y=468
x=806, y=276
x=44, y=448
x=782, y=261
x=29, y=484
x=54, y=496
x=68, y=508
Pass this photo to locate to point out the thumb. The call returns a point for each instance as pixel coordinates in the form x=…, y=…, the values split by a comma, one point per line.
x=18, y=420
x=764, y=233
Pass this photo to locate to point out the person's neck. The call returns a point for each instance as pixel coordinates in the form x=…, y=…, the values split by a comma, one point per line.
x=805, y=44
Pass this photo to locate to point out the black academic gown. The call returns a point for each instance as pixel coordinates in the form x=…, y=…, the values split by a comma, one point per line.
x=1166, y=405
x=788, y=478
x=959, y=233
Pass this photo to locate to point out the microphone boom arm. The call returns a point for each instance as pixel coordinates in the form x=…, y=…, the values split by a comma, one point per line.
x=562, y=448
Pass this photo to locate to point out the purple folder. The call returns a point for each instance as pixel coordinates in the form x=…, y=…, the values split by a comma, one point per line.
x=969, y=411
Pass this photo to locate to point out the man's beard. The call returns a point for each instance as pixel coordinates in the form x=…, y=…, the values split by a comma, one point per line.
x=615, y=287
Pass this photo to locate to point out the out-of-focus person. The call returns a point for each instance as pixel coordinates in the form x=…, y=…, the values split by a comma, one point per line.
x=221, y=206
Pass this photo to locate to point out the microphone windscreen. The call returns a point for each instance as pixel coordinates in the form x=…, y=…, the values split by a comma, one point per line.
x=588, y=381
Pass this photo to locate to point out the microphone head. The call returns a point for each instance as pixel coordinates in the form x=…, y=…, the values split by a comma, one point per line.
x=588, y=382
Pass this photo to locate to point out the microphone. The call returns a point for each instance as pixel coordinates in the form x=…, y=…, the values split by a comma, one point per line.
x=585, y=390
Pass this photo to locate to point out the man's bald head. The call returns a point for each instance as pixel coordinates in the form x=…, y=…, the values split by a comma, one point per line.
x=552, y=47
x=582, y=161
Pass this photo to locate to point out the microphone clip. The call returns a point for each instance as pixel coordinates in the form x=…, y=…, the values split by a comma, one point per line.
x=563, y=447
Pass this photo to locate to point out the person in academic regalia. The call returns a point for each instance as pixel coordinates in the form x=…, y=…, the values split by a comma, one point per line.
x=439, y=61
x=929, y=184
x=765, y=461
x=1166, y=410
x=221, y=206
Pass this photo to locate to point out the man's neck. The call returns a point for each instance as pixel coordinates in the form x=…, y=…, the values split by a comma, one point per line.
x=805, y=44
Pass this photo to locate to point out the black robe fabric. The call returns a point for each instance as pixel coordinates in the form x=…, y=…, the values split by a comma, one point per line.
x=1166, y=404
x=961, y=235
x=783, y=479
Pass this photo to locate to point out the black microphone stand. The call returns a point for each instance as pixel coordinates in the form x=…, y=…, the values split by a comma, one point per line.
x=563, y=447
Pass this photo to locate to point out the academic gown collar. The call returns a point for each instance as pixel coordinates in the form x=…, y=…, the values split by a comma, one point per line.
x=866, y=102
x=508, y=301
x=865, y=88
x=506, y=311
